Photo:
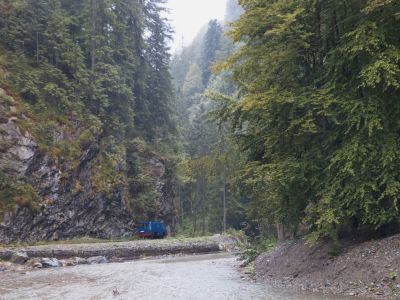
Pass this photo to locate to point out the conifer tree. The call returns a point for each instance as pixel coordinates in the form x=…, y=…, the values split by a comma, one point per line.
x=101, y=66
x=209, y=49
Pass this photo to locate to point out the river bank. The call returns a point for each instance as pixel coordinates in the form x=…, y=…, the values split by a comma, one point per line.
x=19, y=258
x=370, y=269
x=197, y=277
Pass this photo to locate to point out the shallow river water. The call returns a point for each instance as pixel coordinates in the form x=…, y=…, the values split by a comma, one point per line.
x=203, y=277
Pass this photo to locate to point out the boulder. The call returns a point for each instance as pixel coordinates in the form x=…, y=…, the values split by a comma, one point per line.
x=68, y=262
x=97, y=260
x=50, y=262
x=34, y=262
x=19, y=257
x=80, y=261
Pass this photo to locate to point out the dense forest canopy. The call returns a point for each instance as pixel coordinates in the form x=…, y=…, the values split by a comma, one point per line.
x=297, y=130
x=94, y=71
x=318, y=112
x=281, y=120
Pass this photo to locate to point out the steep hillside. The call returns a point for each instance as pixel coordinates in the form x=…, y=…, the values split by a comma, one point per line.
x=86, y=129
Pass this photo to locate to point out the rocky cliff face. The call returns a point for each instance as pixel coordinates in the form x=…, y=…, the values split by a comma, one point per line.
x=164, y=203
x=66, y=204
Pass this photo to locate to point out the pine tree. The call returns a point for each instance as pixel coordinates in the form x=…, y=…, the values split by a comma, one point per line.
x=209, y=49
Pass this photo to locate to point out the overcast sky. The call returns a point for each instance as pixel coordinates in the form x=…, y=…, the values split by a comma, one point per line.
x=188, y=16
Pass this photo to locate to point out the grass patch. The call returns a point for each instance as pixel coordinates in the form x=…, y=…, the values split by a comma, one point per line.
x=13, y=193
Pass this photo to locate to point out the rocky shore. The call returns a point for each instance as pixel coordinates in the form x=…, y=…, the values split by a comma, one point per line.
x=58, y=255
x=370, y=269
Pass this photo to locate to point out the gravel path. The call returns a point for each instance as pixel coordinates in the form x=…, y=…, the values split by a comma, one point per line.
x=126, y=250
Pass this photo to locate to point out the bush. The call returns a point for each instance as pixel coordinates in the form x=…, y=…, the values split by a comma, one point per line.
x=13, y=193
x=254, y=248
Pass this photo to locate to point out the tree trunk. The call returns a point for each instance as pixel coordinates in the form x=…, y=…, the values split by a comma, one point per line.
x=37, y=47
x=203, y=203
x=318, y=34
x=224, y=199
x=181, y=206
x=93, y=37
x=280, y=230
x=193, y=215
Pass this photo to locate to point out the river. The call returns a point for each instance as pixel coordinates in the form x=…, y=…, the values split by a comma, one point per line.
x=203, y=277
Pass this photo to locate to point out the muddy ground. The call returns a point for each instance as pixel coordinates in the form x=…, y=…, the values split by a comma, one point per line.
x=370, y=269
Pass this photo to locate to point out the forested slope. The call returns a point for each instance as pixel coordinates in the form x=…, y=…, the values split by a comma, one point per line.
x=208, y=192
x=297, y=129
x=318, y=114
x=86, y=125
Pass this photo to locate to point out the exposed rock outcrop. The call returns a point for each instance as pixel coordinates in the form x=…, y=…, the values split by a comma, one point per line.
x=164, y=200
x=63, y=214
x=17, y=149
x=64, y=211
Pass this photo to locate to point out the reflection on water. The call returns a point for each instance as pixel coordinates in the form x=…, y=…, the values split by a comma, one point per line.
x=192, y=277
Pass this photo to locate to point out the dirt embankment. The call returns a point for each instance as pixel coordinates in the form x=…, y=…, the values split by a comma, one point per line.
x=370, y=269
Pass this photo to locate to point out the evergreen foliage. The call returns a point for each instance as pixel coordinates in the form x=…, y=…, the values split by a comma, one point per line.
x=209, y=194
x=101, y=66
x=297, y=130
x=210, y=46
